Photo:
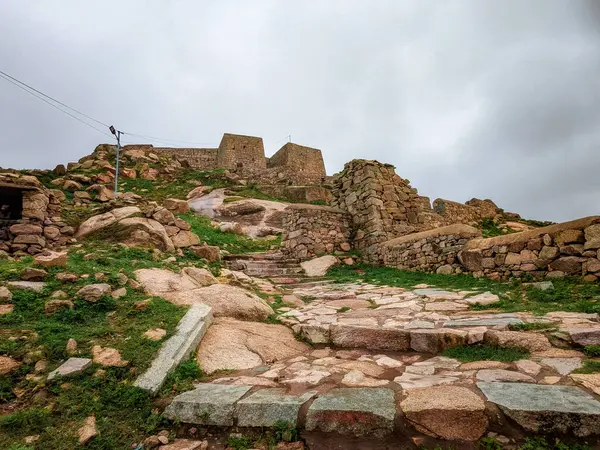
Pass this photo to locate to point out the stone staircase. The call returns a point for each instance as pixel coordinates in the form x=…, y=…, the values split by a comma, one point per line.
x=265, y=265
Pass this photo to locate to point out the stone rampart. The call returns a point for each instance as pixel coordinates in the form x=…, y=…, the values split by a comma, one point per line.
x=304, y=164
x=311, y=230
x=570, y=248
x=429, y=251
x=471, y=212
x=238, y=151
x=382, y=205
x=303, y=194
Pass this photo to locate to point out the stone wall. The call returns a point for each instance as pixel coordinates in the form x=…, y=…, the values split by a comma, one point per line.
x=311, y=230
x=303, y=194
x=293, y=164
x=429, y=251
x=470, y=212
x=238, y=151
x=382, y=205
x=198, y=158
x=570, y=248
x=305, y=164
x=39, y=225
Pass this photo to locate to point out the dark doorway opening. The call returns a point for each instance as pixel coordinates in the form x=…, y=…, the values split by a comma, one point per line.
x=11, y=205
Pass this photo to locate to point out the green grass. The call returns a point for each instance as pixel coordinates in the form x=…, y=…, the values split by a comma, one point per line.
x=569, y=294
x=402, y=278
x=231, y=242
x=239, y=443
x=589, y=366
x=490, y=229
x=533, y=326
x=485, y=352
x=178, y=185
x=183, y=378
x=123, y=413
x=592, y=350
x=489, y=443
x=254, y=192
x=344, y=309
x=543, y=443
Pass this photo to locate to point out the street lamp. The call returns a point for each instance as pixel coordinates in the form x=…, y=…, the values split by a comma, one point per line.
x=117, y=134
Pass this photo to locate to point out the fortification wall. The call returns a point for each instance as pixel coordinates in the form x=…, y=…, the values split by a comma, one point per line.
x=238, y=151
x=382, y=205
x=311, y=230
x=433, y=250
x=570, y=248
x=303, y=163
x=304, y=194
x=198, y=158
x=469, y=213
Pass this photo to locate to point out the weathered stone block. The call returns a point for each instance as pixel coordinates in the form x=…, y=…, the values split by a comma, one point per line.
x=446, y=412
x=208, y=404
x=436, y=340
x=546, y=409
x=268, y=406
x=72, y=366
x=355, y=411
x=372, y=338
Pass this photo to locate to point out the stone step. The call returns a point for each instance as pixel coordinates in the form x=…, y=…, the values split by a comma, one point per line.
x=454, y=413
x=306, y=284
x=371, y=336
x=272, y=271
x=260, y=257
x=270, y=264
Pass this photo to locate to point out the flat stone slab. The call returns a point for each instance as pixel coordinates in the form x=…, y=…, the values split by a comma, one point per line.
x=35, y=286
x=437, y=293
x=208, y=404
x=478, y=322
x=356, y=411
x=71, y=366
x=447, y=412
x=190, y=330
x=564, y=366
x=585, y=336
x=265, y=407
x=546, y=408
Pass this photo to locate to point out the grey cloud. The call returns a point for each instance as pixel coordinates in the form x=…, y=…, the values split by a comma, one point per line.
x=467, y=98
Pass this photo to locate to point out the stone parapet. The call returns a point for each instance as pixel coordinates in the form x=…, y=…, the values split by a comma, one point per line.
x=382, y=205
x=314, y=230
x=428, y=251
x=569, y=248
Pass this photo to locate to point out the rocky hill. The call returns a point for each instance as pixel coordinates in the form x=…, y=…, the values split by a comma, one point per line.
x=209, y=308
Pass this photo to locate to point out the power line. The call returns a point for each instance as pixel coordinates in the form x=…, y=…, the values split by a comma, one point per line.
x=27, y=88
x=53, y=99
x=53, y=105
x=164, y=140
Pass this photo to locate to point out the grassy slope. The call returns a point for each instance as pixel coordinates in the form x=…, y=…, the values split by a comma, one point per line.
x=55, y=411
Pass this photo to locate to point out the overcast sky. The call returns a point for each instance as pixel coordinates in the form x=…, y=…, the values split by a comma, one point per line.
x=479, y=98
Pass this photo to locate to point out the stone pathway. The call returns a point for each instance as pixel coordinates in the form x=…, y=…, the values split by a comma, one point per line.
x=373, y=368
x=424, y=319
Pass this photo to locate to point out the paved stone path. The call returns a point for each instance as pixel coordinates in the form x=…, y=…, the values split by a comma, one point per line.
x=374, y=368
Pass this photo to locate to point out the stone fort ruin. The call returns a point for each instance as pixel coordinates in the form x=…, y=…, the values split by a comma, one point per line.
x=293, y=164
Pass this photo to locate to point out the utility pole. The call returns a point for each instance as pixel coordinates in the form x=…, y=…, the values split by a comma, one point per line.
x=117, y=134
